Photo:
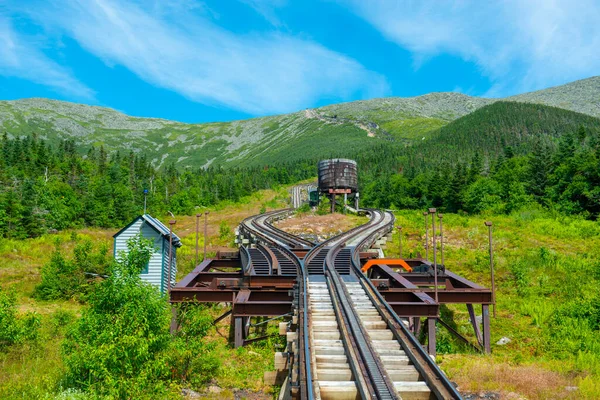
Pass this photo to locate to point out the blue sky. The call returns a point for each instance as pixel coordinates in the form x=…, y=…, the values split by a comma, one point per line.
x=198, y=61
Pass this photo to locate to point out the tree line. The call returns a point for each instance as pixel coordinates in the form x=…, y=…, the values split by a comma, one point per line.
x=45, y=187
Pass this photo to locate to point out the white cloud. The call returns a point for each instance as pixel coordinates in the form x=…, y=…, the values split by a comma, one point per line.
x=21, y=59
x=183, y=51
x=519, y=45
x=266, y=8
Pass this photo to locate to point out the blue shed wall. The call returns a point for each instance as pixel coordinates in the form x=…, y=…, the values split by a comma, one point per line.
x=159, y=261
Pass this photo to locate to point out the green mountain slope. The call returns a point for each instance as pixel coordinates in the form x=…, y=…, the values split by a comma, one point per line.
x=582, y=96
x=322, y=132
x=489, y=130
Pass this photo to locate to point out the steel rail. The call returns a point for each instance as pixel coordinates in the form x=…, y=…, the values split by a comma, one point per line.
x=253, y=225
x=370, y=380
x=435, y=378
x=274, y=239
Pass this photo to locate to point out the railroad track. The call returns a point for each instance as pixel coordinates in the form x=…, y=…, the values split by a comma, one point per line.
x=358, y=347
x=351, y=344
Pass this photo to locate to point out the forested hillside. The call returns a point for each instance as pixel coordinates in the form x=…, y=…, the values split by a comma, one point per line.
x=499, y=158
x=332, y=130
x=47, y=188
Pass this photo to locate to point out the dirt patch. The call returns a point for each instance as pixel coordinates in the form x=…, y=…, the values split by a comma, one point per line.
x=487, y=378
x=319, y=227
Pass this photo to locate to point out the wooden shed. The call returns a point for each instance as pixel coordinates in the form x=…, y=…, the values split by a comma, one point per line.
x=157, y=270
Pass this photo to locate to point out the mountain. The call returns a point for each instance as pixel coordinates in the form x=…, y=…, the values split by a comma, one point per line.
x=490, y=129
x=333, y=130
x=582, y=96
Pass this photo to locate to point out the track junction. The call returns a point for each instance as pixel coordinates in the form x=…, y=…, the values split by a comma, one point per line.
x=351, y=335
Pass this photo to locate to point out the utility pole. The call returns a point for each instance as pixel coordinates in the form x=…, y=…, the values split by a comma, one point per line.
x=489, y=225
x=205, y=232
x=197, y=234
x=171, y=223
x=432, y=211
x=145, y=195
x=425, y=214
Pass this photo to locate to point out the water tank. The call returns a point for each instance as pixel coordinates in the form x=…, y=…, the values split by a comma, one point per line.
x=338, y=173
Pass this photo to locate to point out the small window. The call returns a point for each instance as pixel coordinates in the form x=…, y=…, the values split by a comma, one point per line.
x=145, y=270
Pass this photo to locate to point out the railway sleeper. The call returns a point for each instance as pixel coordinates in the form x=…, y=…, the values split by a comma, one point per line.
x=332, y=374
x=405, y=377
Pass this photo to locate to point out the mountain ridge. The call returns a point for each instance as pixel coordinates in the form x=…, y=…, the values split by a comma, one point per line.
x=317, y=131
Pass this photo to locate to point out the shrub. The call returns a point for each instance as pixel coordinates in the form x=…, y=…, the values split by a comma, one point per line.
x=191, y=359
x=224, y=230
x=15, y=328
x=121, y=346
x=117, y=346
x=64, y=278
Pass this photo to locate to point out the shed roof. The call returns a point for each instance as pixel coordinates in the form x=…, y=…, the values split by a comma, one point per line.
x=156, y=225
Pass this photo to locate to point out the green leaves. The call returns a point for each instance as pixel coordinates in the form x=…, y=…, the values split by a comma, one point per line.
x=15, y=328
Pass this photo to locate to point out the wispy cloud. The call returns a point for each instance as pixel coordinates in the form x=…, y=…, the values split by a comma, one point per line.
x=184, y=51
x=267, y=8
x=20, y=58
x=519, y=45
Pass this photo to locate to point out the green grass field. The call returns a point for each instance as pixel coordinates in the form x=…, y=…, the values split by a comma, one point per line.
x=547, y=276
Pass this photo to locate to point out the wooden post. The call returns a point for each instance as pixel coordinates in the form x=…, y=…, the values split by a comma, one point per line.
x=485, y=317
x=239, y=332
x=431, y=335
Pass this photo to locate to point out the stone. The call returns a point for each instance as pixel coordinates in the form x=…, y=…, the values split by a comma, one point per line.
x=503, y=341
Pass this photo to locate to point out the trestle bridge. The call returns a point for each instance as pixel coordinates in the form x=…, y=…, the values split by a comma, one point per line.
x=351, y=335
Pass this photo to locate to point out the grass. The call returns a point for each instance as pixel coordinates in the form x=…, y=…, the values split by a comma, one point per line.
x=546, y=269
x=547, y=276
x=33, y=370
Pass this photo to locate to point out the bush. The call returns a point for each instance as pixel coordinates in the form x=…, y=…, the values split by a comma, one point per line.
x=191, y=359
x=64, y=278
x=15, y=328
x=121, y=346
x=117, y=347
x=224, y=230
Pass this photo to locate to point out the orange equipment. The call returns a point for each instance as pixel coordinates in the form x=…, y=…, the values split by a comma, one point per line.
x=386, y=261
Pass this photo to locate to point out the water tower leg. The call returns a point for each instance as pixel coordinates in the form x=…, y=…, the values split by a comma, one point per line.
x=332, y=203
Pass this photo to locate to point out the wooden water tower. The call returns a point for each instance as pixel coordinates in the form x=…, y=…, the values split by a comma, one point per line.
x=338, y=176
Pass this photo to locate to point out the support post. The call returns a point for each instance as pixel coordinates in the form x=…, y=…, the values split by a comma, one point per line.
x=417, y=326
x=440, y=216
x=426, y=235
x=145, y=195
x=197, y=235
x=205, y=232
x=489, y=225
x=171, y=223
x=473, y=319
x=399, y=241
x=431, y=336
x=173, y=326
x=239, y=332
x=432, y=211
x=485, y=316
x=332, y=202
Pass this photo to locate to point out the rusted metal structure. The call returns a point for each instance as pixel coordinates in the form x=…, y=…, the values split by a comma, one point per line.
x=273, y=273
x=338, y=176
